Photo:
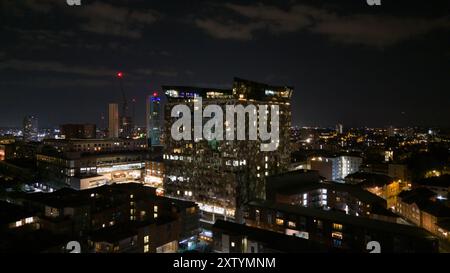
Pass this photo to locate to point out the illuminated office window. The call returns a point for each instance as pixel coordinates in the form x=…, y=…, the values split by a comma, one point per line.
x=279, y=221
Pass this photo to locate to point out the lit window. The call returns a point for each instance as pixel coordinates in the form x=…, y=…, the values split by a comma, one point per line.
x=155, y=208
x=146, y=248
x=291, y=224
x=337, y=235
x=233, y=244
x=146, y=239
x=155, y=215
x=279, y=221
x=18, y=223
x=337, y=226
x=29, y=220
x=131, y=196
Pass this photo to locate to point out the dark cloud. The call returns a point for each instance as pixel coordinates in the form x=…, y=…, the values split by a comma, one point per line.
x=228, y=29
x=57, y=67
x=19, y=8
x=97, y=17
x=151, y=72
x=102, y=18
x=377, y=31
x=365, y=29
x=52, y=83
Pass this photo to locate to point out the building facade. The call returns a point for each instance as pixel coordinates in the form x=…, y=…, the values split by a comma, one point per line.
x=154, y=111
x=127, y=218
x=113, y=120
x=222, y=175
x=335, y=168
x=337, y=230
x=85, y=163
x=30, y=128
x=81, y=131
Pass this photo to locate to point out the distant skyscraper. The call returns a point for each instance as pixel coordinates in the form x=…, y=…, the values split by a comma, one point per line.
x=113, y=128
x=223, y=175
x=30, y=128
x=153, y=119
x=339, y=128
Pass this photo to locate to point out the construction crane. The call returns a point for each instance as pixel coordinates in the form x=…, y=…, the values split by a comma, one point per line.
x=124, y=97
x=125, y=121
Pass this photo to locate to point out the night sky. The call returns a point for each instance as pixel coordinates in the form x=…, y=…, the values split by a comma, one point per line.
x=349, y=62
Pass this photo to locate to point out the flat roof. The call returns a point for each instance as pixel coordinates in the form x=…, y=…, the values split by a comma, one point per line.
x=273, y=239
x=345, y=219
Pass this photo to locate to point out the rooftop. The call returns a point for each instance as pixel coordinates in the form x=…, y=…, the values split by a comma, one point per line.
x=370, y=179
x=345, y=219
x=272, y=240
x=424, y=199
x=251, y=89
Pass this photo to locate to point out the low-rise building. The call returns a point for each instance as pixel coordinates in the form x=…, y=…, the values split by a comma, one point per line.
x=83, y=164
x=116, y=218
x=421, y=207
x=308, y=190
x=338, y=230
x=230, y=237
x=380, y=185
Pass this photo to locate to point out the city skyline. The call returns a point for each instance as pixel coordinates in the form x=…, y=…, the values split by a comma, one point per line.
x=389, y=71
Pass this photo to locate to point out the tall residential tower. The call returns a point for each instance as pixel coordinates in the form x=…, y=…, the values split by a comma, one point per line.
x=30, y=128
x=153, y=115
x=223, y=175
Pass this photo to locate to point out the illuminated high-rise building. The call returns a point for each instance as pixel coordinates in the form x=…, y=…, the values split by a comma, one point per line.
x=30, y=128
x=153, y=115
x=113, y=125
x=339, y=129
x=223, y=175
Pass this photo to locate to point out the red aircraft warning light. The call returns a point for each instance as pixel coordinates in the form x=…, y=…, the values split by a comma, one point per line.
x=119, y=74
x=155, y=94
